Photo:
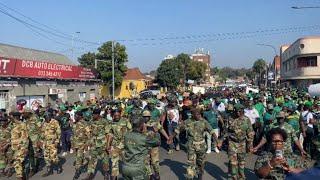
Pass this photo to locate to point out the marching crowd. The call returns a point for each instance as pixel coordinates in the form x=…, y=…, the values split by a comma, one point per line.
x=280, y=126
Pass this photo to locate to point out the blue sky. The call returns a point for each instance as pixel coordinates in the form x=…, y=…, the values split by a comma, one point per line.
x=103, y=20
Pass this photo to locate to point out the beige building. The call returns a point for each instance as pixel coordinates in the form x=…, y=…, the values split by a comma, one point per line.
x=299, y=62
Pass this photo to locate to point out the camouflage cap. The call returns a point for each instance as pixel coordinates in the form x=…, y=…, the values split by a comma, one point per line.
x=238, y=107
x=146, y=114
x=281, y=114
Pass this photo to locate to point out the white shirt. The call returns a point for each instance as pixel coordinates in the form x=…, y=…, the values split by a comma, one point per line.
x=176, y=115
x=252, y=114
x=307, y=115
x=221, y=107
x=71, y=113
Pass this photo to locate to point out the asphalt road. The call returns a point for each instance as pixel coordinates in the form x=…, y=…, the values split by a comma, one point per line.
x=173, y=167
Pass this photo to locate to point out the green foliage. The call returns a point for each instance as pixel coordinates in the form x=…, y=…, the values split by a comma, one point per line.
x=169, y=73
x=87, y=60
x=231, y=73
x=259, y=65
x=196, y=70
x=173, y=72
x=104, y=55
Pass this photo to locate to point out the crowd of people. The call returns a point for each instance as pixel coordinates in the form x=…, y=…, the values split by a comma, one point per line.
x=280, y=126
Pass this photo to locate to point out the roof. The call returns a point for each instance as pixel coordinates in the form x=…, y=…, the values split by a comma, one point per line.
x=9, y=51
x=134, y=74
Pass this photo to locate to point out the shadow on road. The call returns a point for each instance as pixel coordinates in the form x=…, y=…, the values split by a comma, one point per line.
x=176, y=167
x=215, y=171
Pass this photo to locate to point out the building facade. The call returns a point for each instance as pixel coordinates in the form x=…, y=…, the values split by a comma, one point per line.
x=39, y=77
x=132, y=84
x=205, y=58
x=299, y=62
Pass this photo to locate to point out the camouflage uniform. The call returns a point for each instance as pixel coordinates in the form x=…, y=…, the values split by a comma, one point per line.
x=99, y=131
x=240, y=136
x=19, y=145
x=81, y=134
x=51, y=137
x=118, y=129
x=196, y=145
x=136, y=149
x=277, y=173
x=34, y=133
x=154, y=152
x=292, y=136
x=6, y=153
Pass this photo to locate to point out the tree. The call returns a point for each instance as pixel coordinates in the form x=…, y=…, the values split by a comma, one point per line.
x=259, y=68
x=196, y=70
x=104, y=67
x=87, y=60
x=259, y=65
x=169, y=73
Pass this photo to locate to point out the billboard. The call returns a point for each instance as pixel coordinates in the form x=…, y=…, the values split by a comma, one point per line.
x=39, y=69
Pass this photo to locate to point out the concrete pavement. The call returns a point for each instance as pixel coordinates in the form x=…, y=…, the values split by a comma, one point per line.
x=173, y=167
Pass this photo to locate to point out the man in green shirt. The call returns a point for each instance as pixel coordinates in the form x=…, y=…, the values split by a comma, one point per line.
x=136, y=149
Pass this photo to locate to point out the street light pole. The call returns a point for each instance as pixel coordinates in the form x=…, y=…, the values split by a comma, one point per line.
x=72, y=42
x=113, y=84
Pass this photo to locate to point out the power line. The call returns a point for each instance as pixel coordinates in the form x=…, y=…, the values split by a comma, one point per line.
x=30, y=27
x=52, y=31
x=37, y=22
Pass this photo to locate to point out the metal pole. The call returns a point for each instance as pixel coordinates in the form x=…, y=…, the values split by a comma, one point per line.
x=96, y=64
x=113, y=70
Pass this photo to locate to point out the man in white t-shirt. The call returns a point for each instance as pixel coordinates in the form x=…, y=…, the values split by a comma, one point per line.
x=308, y=131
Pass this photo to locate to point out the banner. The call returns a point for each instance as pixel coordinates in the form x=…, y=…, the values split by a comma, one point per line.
x=40, y=69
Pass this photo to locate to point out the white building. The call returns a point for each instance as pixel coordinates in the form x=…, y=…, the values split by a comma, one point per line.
x=299, y=62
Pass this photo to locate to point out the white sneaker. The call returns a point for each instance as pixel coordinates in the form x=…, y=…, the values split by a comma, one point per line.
x=64, y=154
x=208, y=151
x=216, y=150
x=71, y=151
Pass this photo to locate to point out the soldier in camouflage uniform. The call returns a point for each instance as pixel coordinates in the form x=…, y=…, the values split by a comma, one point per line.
x=119, y=127
x=196, y=145
x=99, y=145
x=277, y=163
x=153, y=128
x=5, y=146
x=81, y=134
x=19, y=144
x=34, y=133
x=136, y=149
x=240, y=137
x=51, y=137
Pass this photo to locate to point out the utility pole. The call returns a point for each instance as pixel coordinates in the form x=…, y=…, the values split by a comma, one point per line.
x=113, y=84
x=72, y=42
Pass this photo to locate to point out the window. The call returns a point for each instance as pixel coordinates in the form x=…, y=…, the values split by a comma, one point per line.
x=310, y=61
x=301, y=46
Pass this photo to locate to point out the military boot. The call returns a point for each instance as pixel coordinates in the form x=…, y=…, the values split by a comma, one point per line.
x=77, y=174
x=49, y=171
x=59, y=168
x=89, y=177
x=156, y=176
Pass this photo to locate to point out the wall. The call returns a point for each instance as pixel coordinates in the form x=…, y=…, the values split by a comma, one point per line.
x=28, y=87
